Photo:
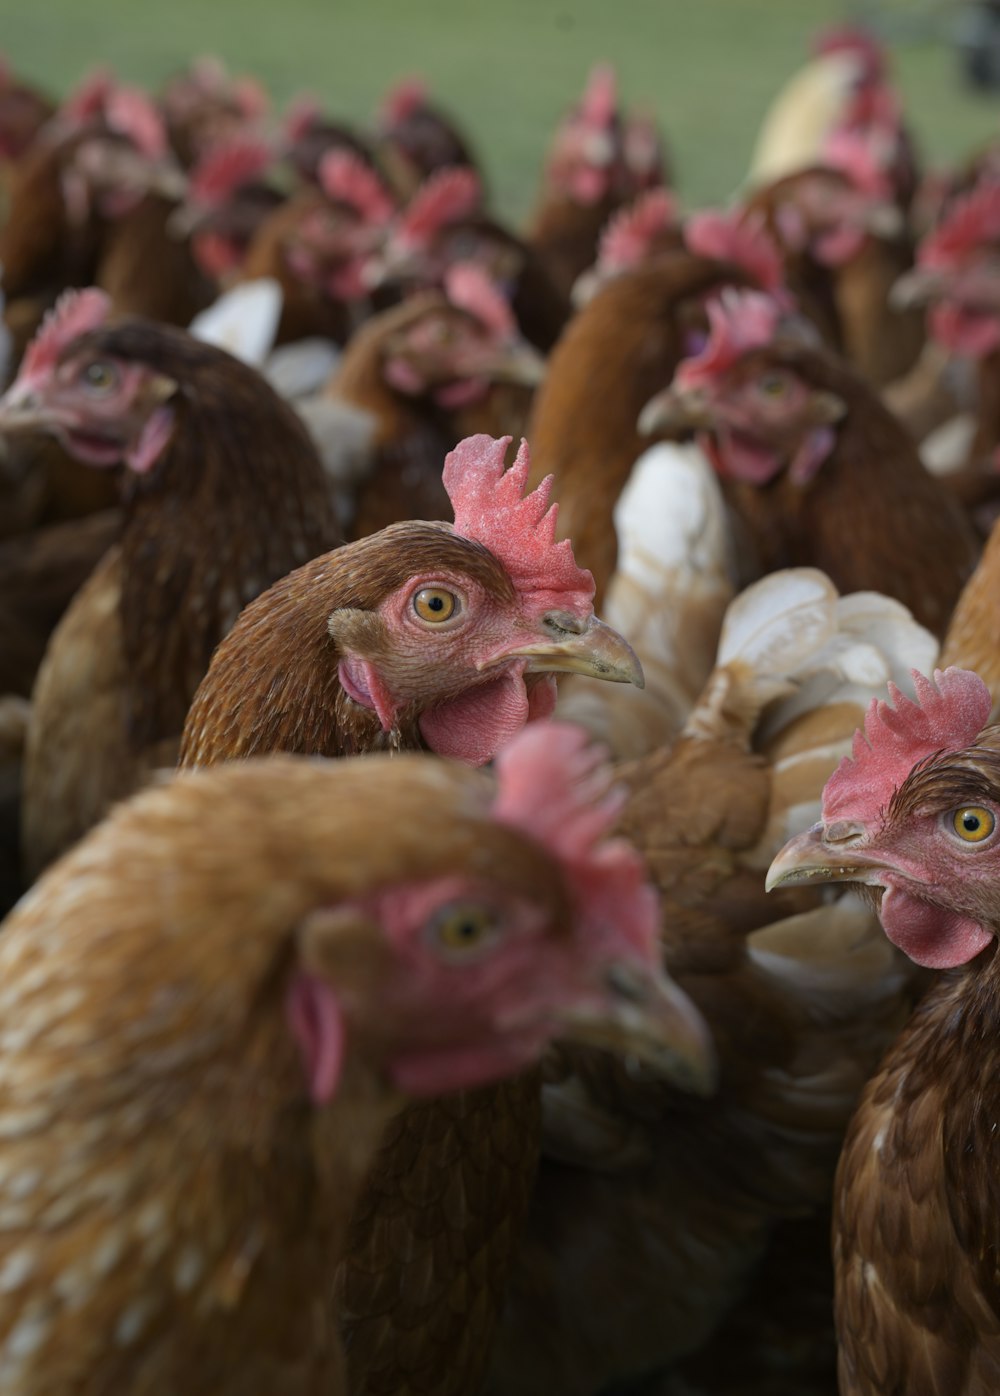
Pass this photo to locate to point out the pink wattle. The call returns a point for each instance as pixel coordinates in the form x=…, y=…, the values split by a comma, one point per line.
x=318, y=1027
x=472, y=727
x=965, y=331
x=740, y=458
x=930, y=935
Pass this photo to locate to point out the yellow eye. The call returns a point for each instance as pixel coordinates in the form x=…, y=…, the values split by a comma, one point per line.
x=973, y=823
x=434, y=604
x=100, y=377
x=462, y=928
x=772, y=384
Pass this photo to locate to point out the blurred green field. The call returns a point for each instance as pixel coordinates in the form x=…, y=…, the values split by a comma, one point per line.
x=709, y=67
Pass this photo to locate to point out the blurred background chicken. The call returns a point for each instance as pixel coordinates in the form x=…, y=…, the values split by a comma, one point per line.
x=270, y=321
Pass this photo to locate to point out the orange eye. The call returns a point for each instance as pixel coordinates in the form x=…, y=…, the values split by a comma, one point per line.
x=462, y=928
x=973, y=823
x=434, y=604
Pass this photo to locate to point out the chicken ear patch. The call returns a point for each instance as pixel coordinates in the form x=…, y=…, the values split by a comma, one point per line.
x=317, y=1024
x=948, y=715
x=519, y=530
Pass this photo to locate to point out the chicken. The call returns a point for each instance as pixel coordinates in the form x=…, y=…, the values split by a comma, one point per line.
x=230, y=195
x=445, y=637
x=24, y=110
x=223, y=493
x=956, y=275
x=205, y=106
x=416, y=138
x=423, y=370
x=913, y=817
x=319, y=247
x=616, y=352
x=255, y=984
x=634, y=235
x=446, y=222
x=817, y=470
x=587, y=177
x=653, y=1212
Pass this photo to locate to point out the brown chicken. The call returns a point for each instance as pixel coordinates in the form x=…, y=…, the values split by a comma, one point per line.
x=914, y=818
x=654, y=1212
x=815, y=467
x=416, y=138
x=614, y=355
x=223, y=492
x=445, y=637
x=431, y=372
x=256, y=982
x=588, y=176
x=205, y=106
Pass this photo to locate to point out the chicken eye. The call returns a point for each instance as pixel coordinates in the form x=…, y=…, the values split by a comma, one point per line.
x=100, y=377
x=973, y=823
x=434, y=604
x=462, y=928
x=772, y=384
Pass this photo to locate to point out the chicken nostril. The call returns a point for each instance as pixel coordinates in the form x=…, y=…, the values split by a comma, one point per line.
x=843, y=831
x=562, y=623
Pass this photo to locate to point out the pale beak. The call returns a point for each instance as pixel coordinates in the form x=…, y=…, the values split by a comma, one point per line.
x=578, y=647
x=516, y=363
x=885, y=221
x=23, y=411
x=823, y=854
x=675, y=409
x=647, y=1016
x=916, y=288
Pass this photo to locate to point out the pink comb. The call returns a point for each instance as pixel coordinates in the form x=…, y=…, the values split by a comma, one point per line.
x=520, y=532
x=736, y=237
x=302, y=115
x=739, y=321
x=401, y=101
x=75, y=313
x=131, y=114
x=852, y=38
x=555, y=785
x=949, y=713
x=251, y=97
x=469, y=288
x=226, y=168
x=851, y=154
x=629, y=236
x=599, y=103
x=445, y=197
x=346, y=179
x=972, y=222
x=88, y=98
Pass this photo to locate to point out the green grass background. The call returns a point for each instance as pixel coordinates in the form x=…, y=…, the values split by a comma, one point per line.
x=509, y=67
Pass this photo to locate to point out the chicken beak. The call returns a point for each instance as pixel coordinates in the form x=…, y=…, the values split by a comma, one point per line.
x=824, y=853
x=22, y=411
x=916, y=288
x=885, y=220
x=647, y=1016
x=578, y=647
x=674, y=410
x=516, y=363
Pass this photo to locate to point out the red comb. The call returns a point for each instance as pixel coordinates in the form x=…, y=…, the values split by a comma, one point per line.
x=443, y=198
x=599, y=103
x=949, y=713
x=88, y=98
x=225, y=168
x=739, y=321
x=346, y=179
x=520, y=532
x=736, y=237
x=401, y=101
x=629, y=236
x=130, y=113
x=74, y=313
x=251, y=97
x=468, y=286
x=854, y=39
x=302, y=115
x=851, y=154
x=973, y=220
x=555, y=785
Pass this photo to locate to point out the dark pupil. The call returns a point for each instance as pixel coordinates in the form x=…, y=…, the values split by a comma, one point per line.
x=436, y=603
x=467, y=930
x=971, y=823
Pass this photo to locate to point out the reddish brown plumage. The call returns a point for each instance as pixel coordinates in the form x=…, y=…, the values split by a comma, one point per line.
x=237, y=498
x=613, y=356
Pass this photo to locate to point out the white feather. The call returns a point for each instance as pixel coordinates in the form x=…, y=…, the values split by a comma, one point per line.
x=244, y=320
x=300, y=369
